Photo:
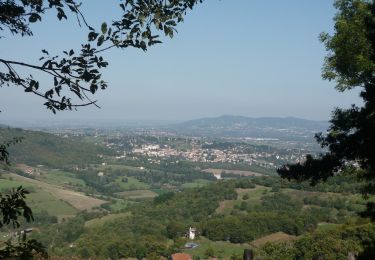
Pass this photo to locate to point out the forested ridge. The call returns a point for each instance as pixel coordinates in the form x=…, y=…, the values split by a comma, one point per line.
x=48, y=149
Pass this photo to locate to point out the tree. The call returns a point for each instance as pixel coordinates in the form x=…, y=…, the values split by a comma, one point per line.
x=209, y=252
x=350, y=62
x=76, y=74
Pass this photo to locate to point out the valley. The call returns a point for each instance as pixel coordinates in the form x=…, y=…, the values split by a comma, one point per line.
x=128, y=197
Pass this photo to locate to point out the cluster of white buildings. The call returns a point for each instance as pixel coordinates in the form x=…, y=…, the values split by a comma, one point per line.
x=198, y=154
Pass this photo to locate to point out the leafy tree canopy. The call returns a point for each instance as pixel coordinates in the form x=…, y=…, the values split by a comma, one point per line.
x=350, y=139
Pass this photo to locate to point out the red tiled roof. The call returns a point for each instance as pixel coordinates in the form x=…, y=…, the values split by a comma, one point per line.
x=181, y=256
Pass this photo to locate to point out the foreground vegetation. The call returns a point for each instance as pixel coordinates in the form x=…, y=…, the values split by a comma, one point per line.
x=258, y=206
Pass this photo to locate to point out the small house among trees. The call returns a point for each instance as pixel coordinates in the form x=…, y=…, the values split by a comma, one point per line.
x=192, y=233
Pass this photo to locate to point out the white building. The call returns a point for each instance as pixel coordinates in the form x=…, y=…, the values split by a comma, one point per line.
x=192, y=232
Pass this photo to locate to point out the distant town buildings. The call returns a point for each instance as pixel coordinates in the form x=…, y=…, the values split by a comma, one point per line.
x=267, y=159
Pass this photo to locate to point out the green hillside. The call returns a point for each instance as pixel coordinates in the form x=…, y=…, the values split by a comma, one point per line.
x=155, y=228
x=48, y=149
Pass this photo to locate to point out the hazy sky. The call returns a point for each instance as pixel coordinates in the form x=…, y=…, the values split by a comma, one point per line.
x=242, y=57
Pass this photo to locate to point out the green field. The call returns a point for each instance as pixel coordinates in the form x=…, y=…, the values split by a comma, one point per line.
x=59, y=177
x=197, y=183
x=102, y=220
x=119, y=167
x=277, y=237
x=78, y=200
x=43, y=200
x=119, y=204
x=8, y=183
x=132, y=184
x=221, y=249
x=254, y=194
x=137, y=194
x=161, y=191
x=39, y=199
x=327, y=226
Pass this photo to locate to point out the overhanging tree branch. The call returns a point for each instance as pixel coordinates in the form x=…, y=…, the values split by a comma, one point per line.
x=80, y=75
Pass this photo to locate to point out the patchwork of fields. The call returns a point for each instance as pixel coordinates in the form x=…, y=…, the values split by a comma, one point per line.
x=59, y=193
x=55, y=199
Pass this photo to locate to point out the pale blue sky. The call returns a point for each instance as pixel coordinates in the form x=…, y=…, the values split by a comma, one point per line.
x=242, y=57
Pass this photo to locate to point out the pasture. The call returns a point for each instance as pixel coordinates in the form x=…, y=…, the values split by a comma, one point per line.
x=254, y=195
x=272, y=238
x=137, y=194
x=96, y=222
x=58, y=177
x=222, y=249
x=132, y=184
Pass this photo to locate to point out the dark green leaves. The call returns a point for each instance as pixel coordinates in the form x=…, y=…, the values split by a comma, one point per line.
x=104, y=28
x=142, y=19
x=4, y=155
x=100, y=40
x=20, y=13
x=33, y=86
x=168, y=31
x=92, y=36
x=350, y=139
x=61, y=14
x=13, y=205
x=78, y=72
x=34, y=17
x=350, y=50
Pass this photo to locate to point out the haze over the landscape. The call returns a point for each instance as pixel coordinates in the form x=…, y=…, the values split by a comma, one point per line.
x=221, y=141
x=229, y=57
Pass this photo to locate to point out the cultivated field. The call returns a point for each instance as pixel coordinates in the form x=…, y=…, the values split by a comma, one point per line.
x=39, y=199
x=76, y=199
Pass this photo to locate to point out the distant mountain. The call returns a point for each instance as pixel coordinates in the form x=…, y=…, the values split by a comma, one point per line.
x=48, y=149
x=288, y=128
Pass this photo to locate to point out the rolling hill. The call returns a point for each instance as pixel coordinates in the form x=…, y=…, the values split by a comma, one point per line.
x=288, y=128
x=48, y=149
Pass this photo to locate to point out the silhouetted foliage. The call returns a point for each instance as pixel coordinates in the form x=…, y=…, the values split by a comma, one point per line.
x=79, y=71
x=13, y=206
x=4, y=154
